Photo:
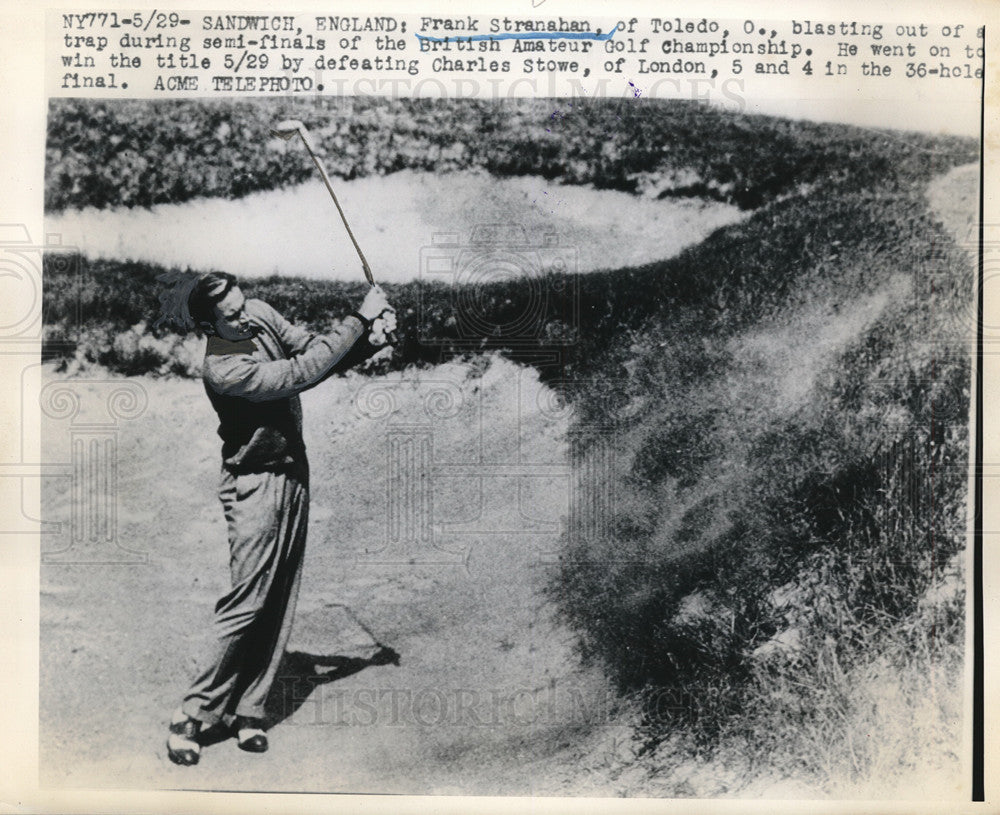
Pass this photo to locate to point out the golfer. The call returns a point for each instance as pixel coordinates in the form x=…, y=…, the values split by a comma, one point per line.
x=256, y=364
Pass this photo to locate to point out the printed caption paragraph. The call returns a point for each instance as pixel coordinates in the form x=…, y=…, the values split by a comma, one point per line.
x=170, y=54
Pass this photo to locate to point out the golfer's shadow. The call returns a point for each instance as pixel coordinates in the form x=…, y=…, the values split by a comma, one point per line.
x=300, y=673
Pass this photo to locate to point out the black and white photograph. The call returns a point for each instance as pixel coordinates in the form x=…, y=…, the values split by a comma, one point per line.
x=564, y=446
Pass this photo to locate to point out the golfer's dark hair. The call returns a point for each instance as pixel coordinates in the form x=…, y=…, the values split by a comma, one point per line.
x=208, y=291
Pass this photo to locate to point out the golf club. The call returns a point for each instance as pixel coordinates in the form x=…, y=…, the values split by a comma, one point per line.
x=288, y=128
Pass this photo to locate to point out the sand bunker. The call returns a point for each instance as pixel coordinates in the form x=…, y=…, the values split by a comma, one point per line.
x=297, y=230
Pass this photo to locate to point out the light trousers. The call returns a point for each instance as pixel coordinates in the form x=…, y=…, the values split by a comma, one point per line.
x=266, y=514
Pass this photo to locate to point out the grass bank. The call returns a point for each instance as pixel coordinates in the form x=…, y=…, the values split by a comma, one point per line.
x=105, y=153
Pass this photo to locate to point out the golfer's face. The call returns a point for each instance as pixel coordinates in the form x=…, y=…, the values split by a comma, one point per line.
x=231, y=321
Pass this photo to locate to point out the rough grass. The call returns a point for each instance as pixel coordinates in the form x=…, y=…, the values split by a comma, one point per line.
x=793, y=448
x=105, y=153
x=888, y=725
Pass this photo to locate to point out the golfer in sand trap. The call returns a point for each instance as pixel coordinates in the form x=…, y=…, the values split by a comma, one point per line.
x=256, y=364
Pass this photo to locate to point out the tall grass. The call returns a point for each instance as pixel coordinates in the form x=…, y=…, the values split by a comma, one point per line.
x=794, y=456
x=105, y=153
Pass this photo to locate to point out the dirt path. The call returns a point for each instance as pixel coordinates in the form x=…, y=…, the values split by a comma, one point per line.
x=488, y=697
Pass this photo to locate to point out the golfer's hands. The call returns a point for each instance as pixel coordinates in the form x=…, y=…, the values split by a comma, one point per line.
x=374, y=304
x=382, y=316
x=383, y=327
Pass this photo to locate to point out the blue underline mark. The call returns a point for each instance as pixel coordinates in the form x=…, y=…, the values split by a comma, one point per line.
x=531, y=35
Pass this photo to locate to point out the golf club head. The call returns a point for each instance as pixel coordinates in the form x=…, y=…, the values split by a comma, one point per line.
x=288, y=128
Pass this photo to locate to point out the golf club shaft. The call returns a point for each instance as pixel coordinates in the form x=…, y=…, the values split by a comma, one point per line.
x=326, y=180
x=357, y=621
x=285, y=130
